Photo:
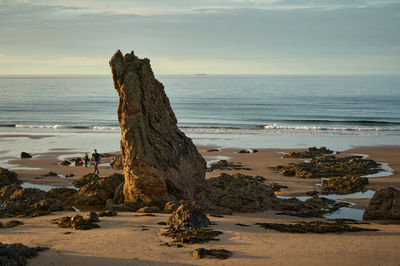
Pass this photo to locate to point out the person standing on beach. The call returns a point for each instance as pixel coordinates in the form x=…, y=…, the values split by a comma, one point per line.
x=85, y=159
x=95, y=159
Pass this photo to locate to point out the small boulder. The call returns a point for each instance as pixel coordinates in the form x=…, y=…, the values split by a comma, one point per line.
x=385, y=204
x=25, y=155
x=65, y=163
x=188, y=216
x=222, y=254
x=50, y=174
x=107, y=214
x=93, y=217
x=12, y=223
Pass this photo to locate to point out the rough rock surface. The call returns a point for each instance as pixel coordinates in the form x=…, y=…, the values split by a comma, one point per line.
x=16, y=254
x=76, y=222
x=313, y=207
x=311, y=152
x=330, y=166
x=18, y=201
x=313, y=227
x=188, y=216
x=385, y=204
x=95, y=191
x=243, y=193
x=160, y=162
x=116, y=162
x=8, y=177
x=225, y=165
x=342, y=186
x=222, y=254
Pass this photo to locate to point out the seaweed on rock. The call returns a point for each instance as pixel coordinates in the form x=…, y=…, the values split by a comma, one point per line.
x=313, y=227
x=222, y=254
x=192, y=236
x=344, y=185
x=330, y=166
x=76, y=222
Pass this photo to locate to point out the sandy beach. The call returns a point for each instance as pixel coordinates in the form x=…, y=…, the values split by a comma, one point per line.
x=133, y=239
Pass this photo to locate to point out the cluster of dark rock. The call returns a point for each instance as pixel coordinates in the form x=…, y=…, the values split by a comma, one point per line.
x=313, y=207
x=77, y=222
x=243, y=193
x=314, y=227
x=186, y=226
x=311, y=152
x=17, y=254
x=94, y=191
x=330, y=166
x=200, y=253
x=18, y=201
x=65, y=163
x=10, y=224
x=344, y=185
x=225, y=165
x=248, y=151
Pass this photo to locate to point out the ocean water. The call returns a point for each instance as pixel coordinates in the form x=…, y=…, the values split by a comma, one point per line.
x=234, y=110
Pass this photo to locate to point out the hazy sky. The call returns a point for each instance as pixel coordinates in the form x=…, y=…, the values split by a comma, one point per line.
x=202, y=36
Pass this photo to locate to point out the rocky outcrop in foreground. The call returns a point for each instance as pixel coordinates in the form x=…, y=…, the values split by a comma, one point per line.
x=17, y=254
x=385, y=204
x=18, y=201
x=160, y=162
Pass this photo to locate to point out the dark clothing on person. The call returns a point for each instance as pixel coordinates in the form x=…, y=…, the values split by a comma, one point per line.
x=96, y=159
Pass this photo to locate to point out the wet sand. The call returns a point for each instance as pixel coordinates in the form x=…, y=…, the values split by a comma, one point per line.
x=125, y=240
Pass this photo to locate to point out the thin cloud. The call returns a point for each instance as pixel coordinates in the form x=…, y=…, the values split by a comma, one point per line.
x=62, y=61
x=176, y=7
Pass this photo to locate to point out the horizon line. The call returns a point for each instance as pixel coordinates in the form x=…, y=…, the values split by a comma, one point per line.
x=219, y=74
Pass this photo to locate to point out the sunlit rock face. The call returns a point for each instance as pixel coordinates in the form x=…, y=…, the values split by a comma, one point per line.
x=160, y=162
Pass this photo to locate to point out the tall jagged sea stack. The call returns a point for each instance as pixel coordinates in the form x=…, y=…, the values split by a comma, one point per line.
x=160, y=162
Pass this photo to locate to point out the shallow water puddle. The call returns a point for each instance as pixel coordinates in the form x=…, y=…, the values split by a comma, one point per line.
x=386, y=171
x=346, y=213
x=43, y=187
x=358, y=195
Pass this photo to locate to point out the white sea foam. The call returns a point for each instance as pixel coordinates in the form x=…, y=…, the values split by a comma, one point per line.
x=41, y=126
x=334, y=128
